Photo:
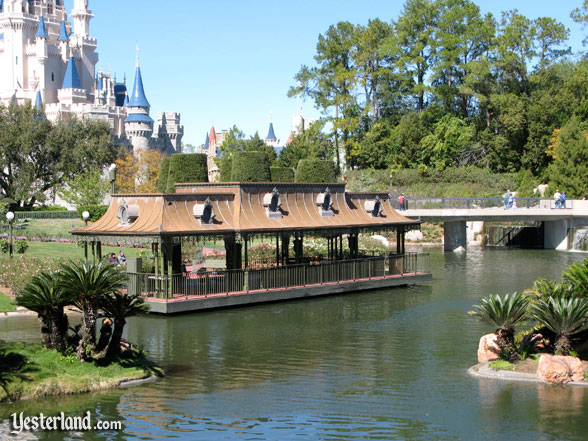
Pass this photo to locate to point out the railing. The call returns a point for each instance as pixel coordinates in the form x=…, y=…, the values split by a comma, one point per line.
x=46, y=215
x=228, y=281
x=464, y=203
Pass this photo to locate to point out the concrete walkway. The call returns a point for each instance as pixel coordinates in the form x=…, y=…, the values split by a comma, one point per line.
x=484, y=371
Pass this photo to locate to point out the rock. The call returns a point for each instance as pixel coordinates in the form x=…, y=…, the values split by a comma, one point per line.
x=488, y=349
x=560, y=369
x=414, y=236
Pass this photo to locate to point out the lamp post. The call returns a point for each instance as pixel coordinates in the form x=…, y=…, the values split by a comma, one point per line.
x=10, y=219
x=86, y=216
x=112, y=177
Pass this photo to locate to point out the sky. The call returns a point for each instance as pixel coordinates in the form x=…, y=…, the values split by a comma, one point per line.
x=231, y=62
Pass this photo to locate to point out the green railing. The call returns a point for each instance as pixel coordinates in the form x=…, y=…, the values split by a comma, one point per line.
x=289, y=276
x=46, y=215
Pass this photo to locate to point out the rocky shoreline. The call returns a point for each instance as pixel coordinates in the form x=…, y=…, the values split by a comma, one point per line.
x=483, y=370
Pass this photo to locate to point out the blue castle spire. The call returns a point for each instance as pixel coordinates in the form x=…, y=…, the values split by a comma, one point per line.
x=138, y=98
x=207, y=142
x=72, y=78
x=42, y=30
x=39, y=101
x=63, y=35
x=271, y=136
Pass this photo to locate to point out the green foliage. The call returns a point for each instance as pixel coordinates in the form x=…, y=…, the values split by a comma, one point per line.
x=501, y=365
x=163, y=175
x=85, y=189
x=564, y=317
x=526, y=184
x=41, y=156
x=311, y=143
x=315, y=170
x=576, y=277
x=449, y=144
x=250, y=167
x=186, y=167
x=16, y=273
x=570, y=166
x=282, y=174
x=226, y=168
x=503, y=312
x=96, y=211
x=20, y=246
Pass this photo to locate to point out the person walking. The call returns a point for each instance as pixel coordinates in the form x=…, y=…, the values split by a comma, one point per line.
x=563, y=200
x=401, y=201
x=507, y=197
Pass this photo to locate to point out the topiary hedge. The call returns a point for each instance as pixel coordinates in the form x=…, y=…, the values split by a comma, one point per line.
x=186, y=167
x=163, y=174
x=250, y=167
x=315, y=170
x=96, y=211
x=282, y=174
x=225, y=166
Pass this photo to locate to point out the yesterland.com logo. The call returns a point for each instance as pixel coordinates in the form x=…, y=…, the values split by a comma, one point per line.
x=59, y=422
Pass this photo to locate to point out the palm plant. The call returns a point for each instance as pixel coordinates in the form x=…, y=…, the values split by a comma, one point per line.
x=47, y=298
x=543, y=289
x=89, y=282
x=119, y=306
x=504, y=313
x=564, y=317
x=576, y=275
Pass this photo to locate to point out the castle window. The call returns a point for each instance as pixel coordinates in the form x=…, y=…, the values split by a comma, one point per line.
x=52, y=77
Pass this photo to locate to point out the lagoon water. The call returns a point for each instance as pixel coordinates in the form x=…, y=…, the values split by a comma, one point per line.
x=387, y=364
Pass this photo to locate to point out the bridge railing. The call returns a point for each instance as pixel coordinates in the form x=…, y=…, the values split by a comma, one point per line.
x=463, y=203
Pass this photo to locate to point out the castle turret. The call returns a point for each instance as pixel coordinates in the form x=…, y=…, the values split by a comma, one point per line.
x=138, y=124
x=63, y=40
x=81, y=16
x=271, y=139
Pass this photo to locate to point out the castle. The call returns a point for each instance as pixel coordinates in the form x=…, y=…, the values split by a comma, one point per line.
x=44, y=63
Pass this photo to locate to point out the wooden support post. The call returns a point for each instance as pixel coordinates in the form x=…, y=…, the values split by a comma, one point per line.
x=246, y=252
x=162, y=262
x=170, y=268
x=403, y=245
x=99, y=250
x=277, y=249
x=398, y=240
x=340, y=246
x=93, y=251
x=155, y=251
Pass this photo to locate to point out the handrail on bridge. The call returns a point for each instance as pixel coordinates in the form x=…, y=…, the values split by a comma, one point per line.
x=475, y=203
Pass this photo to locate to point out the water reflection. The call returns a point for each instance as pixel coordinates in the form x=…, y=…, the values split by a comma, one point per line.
x=386, y=364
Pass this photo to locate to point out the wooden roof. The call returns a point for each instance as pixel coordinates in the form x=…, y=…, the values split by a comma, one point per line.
x=239, y=208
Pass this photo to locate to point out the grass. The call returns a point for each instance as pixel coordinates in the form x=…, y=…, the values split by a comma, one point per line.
x=501, y=365
x=31, y=371
x=48, y=228
x=71, y=250
x=6, y=304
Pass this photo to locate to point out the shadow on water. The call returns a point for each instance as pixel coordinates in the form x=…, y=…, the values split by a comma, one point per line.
x=386, y=364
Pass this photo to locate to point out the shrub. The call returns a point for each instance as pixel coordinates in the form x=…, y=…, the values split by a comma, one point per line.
x=96, y=211
x=315, y=170
x=186, y=167
x=163, y=174
x=16, y=273
x=226, y=168
x=250, y=167
x=20, y=246
x=4, y=245
x=282, y=174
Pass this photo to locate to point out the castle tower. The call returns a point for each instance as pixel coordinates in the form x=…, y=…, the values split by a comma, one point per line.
x=86, y=45
x=169, y=132
x=138, y=124
x=271, y=139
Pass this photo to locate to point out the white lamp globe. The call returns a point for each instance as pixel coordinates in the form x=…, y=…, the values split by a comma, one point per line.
x=10, y=216
x=85, y=215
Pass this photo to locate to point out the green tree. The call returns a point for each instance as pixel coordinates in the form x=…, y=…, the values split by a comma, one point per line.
x=580, y=15
x=47, y=298
x=37, y=156
x=234, y=142
x=449, y=144
x=569, y=168
x=504, y=313
x=375, y=147
x=186, y=167
x=406, y=140
x=563, y=316
x=550, y=34
x=415, y=31
x=119, y=306
x=311, y=143
x=85, y=189
x=315, y=170
x=250, y=167
x=89, y=283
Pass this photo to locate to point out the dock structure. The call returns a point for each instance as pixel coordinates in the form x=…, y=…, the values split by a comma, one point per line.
x=238, y=213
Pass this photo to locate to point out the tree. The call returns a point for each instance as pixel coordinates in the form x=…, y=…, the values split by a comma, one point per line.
x=234, y=142
x=375, y=147
x=569, y=168
x=86, y=189
x=563, y=316
x=47, y=298
x=505, y=313
x=550, y=34
x=449, y=144
x=139, y=173
x=315, y=170
x=163, y=174
x=119, y=306
x=311, y=143
x=37, y=156
x=250, y=167
x=186, y=167
x=580, y=15
x=88, y=283
x=415, y=31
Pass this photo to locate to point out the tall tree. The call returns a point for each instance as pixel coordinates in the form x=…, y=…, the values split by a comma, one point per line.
x=415, y=30
x=550, y=35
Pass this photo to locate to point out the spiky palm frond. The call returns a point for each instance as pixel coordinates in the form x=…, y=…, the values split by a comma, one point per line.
x=563, y=316
x=120, y=306
x=43, y=294
x=576, y=275
x=91, y=280
x=503, y=312
x=543, y=289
